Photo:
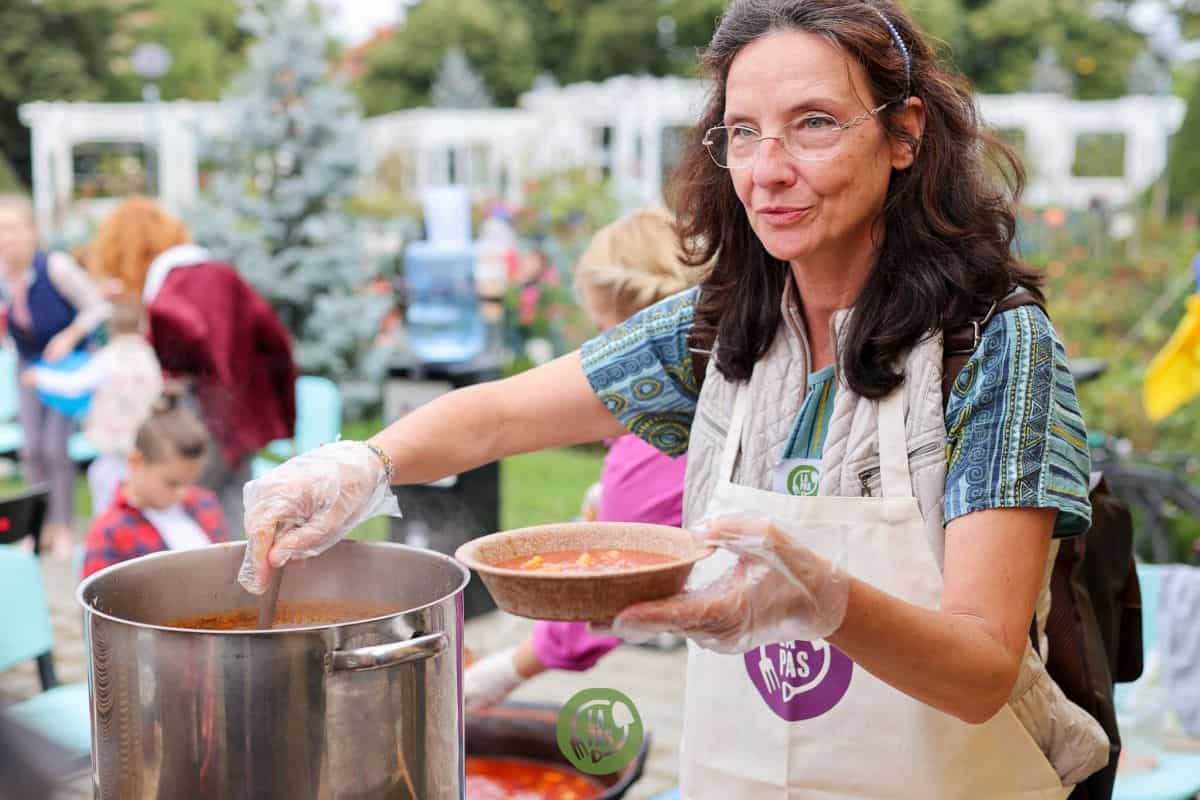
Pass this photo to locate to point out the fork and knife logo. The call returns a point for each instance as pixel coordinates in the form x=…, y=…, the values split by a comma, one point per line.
x=770, y=673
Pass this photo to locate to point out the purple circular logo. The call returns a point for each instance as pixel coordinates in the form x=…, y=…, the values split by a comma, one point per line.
x=800, y=680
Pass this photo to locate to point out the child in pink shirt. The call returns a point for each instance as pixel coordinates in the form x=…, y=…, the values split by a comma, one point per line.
x=629, y=265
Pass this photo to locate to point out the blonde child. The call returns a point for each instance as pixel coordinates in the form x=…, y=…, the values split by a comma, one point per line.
x=629, y=265
x=125, y=380
x=158, y=507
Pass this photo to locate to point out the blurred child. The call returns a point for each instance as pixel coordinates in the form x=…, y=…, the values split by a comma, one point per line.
x=157, y=507
x=125, y=381
x=51, y=308
x=629, y=265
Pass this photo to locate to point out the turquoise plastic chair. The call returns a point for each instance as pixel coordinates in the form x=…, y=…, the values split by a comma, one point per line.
x=1177, y=776
x=11, y=435
x=318, y=421
x=59, y=713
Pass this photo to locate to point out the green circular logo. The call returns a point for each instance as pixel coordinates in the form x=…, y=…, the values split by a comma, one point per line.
x=600, y=731
x=803, y=481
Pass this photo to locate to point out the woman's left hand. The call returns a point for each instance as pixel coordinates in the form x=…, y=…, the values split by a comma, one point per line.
x=61, y=346
x=779, y=590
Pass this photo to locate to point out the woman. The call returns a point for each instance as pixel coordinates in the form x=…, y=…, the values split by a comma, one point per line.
x=210, y=327
x=865, y=629
x=52, y=308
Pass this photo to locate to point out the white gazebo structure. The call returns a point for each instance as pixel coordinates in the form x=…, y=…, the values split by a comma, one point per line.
x=630, y=129
x=1053, y=126
x=172, y=130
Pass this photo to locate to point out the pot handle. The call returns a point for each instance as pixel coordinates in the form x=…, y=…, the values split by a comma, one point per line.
x=381, y=656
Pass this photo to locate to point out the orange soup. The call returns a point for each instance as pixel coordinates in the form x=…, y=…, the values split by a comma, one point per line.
x=589, y=561
x=287, y=615
x=512, y=779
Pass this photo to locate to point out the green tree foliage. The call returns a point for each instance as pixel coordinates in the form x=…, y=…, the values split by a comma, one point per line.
x=79, y=50
x=1183, y=172
x=995, y=43
x=634, y=36
x=206, y=43
x=495, y=35
x=51, y=50
x=279, y=203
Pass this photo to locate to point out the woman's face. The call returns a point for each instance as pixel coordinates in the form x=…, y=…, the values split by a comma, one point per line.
x=18, y=239
x=802, y=210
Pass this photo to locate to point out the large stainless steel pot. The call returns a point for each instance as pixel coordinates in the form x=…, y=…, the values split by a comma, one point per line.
x=370, y=710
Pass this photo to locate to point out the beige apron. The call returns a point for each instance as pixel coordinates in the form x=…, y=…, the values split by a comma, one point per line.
x=799, y=719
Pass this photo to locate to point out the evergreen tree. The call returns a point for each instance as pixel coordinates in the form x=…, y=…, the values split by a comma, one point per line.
x=278, y=203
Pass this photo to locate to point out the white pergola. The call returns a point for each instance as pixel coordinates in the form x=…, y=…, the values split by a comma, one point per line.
x=172, y=129
x=628, y=128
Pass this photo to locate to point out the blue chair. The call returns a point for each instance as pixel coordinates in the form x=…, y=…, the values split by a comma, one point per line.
x=1177, y=776
x=318, y=421
x=11, y=436
x=80, y=450
x=59, y=713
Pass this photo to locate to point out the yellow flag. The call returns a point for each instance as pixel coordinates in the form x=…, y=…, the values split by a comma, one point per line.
x=1173, y=377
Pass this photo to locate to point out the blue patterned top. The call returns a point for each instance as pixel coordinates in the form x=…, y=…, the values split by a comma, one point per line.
x=1016, y=438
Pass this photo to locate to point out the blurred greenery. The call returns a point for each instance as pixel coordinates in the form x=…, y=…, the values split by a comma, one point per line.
x=495, y=36
x=8, y=177
x=79, y=50
x=995, y=43
x=51, y=50
x=1099, y=155
x=1120, y=301
x=1184, y=166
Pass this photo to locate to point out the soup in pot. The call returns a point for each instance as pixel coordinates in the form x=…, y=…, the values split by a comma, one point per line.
x=287, y=615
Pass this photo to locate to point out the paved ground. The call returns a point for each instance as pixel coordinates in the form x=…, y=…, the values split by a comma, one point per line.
x=653, y=679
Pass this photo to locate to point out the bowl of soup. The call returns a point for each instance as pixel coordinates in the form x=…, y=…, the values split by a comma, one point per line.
x=582, y=571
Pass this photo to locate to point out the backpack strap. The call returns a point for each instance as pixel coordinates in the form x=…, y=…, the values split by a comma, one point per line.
x=958, y=344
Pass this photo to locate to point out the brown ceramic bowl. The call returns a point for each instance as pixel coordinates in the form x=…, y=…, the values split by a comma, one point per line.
x=575, y=596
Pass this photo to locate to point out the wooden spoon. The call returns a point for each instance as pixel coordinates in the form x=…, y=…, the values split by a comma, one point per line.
x=268, y=599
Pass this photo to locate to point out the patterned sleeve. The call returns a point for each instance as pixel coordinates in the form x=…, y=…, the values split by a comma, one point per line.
x=209, y=515
x=642, y=370
x=1016, y=435
x=108, y=542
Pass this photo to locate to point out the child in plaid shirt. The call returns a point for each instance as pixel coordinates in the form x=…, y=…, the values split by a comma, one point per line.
x=158, y=507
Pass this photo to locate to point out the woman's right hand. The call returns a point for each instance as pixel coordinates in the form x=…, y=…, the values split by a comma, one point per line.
x=309, y=503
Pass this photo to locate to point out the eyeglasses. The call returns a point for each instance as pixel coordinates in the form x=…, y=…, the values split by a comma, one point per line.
x=813, y=137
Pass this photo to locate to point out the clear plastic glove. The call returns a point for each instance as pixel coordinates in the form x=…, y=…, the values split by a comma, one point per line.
x=488, y=682
x=777, y=591
x=307, y=504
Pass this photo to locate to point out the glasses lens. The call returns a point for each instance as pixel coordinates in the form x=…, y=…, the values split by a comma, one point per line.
x=813, y=138
x=732, y=147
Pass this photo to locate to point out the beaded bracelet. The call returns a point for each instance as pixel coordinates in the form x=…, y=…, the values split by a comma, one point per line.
x=385, y=458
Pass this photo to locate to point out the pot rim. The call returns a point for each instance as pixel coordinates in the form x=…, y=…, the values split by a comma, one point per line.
x=89, y=608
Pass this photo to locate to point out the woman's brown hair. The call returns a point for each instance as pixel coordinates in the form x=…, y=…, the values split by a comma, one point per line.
x=948, y=223
x=130, y=238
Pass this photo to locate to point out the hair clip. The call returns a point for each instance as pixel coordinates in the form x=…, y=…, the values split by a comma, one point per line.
x=903, y=52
